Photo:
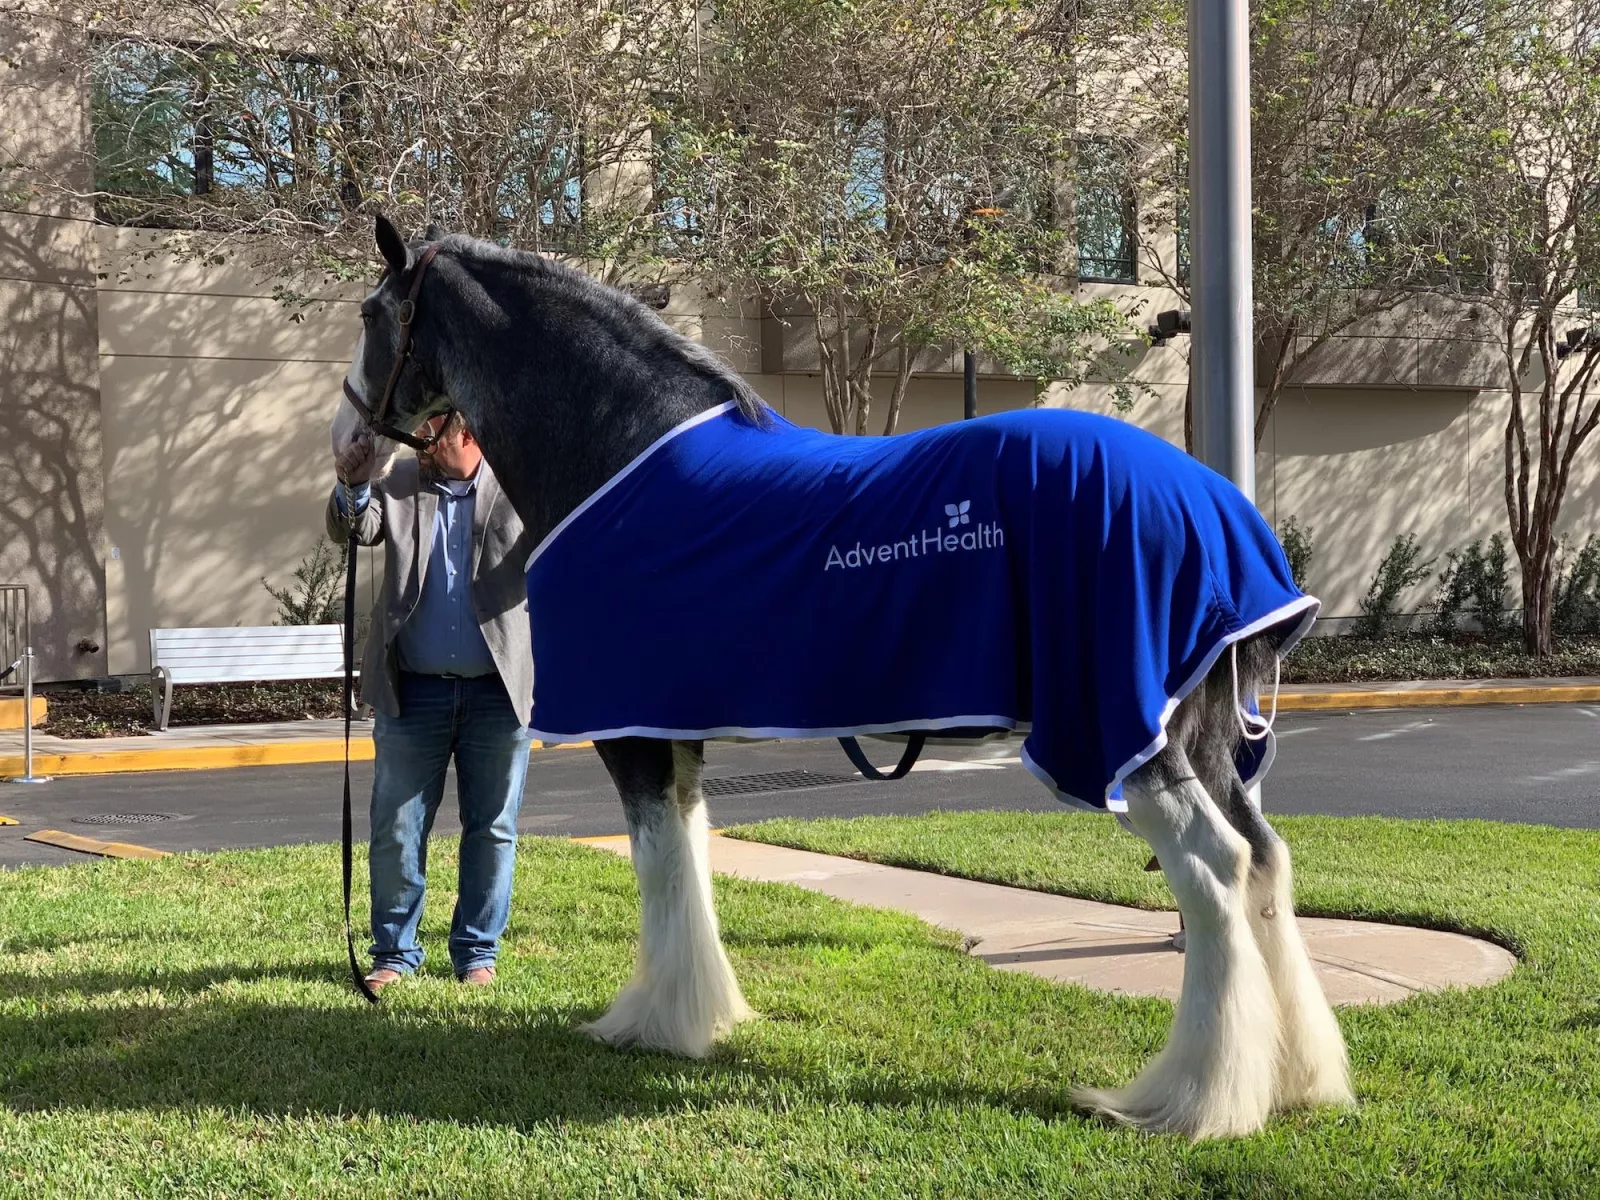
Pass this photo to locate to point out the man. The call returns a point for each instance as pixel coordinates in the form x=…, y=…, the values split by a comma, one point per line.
x=449, y=670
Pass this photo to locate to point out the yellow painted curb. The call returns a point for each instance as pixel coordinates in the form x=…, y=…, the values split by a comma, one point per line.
x=1437, y=698
x=207, y=758
x=11, y=711
x=8, y=820
x=71, y=841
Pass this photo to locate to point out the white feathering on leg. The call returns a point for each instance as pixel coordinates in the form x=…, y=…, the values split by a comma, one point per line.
x=1314, y=1068
x=683, y=994
x=1214, y=1077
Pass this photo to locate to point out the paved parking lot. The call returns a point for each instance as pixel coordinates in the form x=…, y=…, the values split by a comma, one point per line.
x=1539, y=763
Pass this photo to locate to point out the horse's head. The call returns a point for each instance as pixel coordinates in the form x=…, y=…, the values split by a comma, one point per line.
x=390, y=388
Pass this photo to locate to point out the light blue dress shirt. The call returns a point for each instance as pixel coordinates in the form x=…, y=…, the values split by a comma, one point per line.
x=442, y=636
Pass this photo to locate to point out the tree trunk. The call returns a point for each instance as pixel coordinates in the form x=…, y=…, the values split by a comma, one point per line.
x=1537, y=638
x=902, y=377
x=1280, y=376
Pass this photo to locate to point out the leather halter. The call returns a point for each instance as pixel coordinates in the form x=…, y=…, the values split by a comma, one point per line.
x=377, y=418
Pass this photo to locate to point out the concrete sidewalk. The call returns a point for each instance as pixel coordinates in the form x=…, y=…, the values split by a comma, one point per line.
x=206, y=747
x=1106, y=946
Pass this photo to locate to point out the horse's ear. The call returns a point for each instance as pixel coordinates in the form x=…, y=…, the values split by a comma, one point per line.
x=433, y=233
x=392, y=246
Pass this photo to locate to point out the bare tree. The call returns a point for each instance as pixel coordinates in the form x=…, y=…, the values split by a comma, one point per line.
x=883, y=173
x=1358, y=113
x=1533, y=195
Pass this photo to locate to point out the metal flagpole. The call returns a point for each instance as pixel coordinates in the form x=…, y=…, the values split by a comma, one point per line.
x=1222, y=342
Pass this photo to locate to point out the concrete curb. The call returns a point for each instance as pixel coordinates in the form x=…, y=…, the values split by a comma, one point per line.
x=1425, y=696
x=1295, y=698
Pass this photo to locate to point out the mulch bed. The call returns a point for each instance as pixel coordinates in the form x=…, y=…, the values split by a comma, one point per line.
x=1419, y=656
x=87, y=714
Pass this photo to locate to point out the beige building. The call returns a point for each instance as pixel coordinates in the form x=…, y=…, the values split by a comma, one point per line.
x=164, y=427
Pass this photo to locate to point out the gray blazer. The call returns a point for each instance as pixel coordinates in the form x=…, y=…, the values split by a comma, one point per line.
x=400, y=515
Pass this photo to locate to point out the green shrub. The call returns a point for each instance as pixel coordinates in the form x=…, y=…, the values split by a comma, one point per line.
x=1577, y=606
x=1399, y=570
x=1477, y=577
x=1298, y=548
x=317, y=595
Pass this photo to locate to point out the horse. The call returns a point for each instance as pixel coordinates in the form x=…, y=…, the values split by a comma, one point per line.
x=567, y=385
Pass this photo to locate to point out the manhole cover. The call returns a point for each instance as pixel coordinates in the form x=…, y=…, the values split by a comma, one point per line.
x=773, y=781
x=122, y=819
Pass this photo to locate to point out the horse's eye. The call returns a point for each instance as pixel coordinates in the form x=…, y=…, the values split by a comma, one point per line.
x=366, y=319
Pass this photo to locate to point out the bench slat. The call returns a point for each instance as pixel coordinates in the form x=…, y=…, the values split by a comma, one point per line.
x=251, y=676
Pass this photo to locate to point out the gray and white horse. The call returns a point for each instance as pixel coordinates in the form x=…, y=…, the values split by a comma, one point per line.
x=564, y=382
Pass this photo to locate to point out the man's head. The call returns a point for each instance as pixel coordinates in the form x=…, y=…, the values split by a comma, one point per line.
x=456, y=454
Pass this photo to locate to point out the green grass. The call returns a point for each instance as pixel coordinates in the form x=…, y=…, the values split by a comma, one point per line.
x=1493, y=1091
x=182, y=1028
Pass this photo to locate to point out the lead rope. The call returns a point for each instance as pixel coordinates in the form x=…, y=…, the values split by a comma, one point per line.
x=356, y=973
x=1263, y=725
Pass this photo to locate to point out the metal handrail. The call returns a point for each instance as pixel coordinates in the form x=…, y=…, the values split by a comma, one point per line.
x=14, y=597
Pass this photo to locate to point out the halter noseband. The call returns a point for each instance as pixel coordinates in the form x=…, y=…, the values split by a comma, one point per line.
x=377, y=418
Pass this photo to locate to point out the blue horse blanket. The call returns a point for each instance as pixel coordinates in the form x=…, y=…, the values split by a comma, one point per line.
x=1045, y=569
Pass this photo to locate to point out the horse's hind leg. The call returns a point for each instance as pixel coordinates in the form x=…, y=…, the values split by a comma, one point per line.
x=1313, y=1067
x=1214, y=1076
x=683, y=993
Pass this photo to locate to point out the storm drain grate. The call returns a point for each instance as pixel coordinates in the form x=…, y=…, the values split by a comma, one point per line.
x=773, y=781
x=122, y=819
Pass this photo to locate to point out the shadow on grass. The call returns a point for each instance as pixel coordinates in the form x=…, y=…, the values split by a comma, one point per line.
x=1589, y=1018
x=509, y=1063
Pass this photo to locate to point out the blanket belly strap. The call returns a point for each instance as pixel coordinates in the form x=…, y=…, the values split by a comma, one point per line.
x=862, y=763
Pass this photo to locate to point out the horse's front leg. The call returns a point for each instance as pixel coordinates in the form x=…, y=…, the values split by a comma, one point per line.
x=683, y=993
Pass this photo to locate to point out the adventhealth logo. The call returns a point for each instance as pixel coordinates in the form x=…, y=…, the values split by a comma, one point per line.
x=983, y=536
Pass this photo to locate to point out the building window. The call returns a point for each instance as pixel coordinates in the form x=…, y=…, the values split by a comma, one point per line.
x=678, y=180
x=1588, y=244
x=1107, y=218
x=196, y=137
x=542, y=190
x=144, y=105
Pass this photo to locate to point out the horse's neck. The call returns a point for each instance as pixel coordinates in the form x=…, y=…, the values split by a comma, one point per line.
x=556, y=423
x=550, y=450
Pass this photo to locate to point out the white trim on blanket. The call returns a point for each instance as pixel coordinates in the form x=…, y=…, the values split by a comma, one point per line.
x=1306, y=607
x=638, y=461
x=930, y=725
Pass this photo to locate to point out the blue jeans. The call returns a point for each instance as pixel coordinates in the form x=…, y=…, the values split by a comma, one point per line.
x=471, y=719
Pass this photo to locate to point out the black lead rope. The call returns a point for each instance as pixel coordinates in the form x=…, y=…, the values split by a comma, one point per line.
x=914, y=744
x=356, y=973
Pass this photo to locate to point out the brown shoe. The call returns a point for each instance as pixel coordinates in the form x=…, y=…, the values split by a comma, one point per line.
x=381, y=977
x=478, y=977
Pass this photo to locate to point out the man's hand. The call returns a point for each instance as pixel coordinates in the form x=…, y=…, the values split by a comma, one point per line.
x=356, y=462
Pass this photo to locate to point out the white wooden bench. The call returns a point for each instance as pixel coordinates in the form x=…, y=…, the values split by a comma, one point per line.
x=241, y=654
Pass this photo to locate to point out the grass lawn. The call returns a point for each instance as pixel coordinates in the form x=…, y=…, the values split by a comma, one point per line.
x=1493, y=1091
x=182, y=1028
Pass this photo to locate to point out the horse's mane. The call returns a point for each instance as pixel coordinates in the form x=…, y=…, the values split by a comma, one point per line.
x=628, y=317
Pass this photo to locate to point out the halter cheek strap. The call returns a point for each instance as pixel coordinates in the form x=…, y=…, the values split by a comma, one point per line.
x=377, y=419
